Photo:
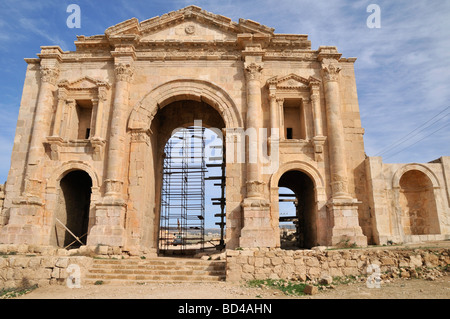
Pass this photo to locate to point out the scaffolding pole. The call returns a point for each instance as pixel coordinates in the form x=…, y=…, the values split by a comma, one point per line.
x=183, y=192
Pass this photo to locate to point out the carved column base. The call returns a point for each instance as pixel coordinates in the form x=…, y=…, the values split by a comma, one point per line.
x=113, y=188
x=257, y=230
x=346, y=229
x=109, y=224
x=254, y=189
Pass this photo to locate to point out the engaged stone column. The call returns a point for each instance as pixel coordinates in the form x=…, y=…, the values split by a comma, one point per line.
x=62, y=96
x=41, y=128
x=109, y=228
x=336, y=138
x=253, y=76
x=114, y=172
x=274, y=113
x=342, y=206
x=26, y=215
x=318, y=139
x=257, y=230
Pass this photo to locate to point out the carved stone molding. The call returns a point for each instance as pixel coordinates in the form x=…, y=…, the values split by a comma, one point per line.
x=319, y=142
x=339, y=186
x=102, y=93
x=253, y=71
x=254, y=188
x=113, y=187
x=98, y=146
x=331, y=72
x=124, y=72
x=140, y=136
x=190, y=29
x=49, y=75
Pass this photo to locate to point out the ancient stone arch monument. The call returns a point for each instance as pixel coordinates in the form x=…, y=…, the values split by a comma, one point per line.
x=106, y=110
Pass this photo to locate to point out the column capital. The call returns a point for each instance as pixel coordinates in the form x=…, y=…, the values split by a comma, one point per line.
x=253, y=71
x=331, y=72
x=123, y=71
x=62, y=93
x=49, y=74
x=280, y=100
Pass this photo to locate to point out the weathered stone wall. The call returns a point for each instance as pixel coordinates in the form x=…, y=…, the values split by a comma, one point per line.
x=389, y=212
x=263, y=263
x=2, y=196
x=46, y=265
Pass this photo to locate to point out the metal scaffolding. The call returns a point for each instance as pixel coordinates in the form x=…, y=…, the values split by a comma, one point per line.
x=182, y=224
x=220, y=201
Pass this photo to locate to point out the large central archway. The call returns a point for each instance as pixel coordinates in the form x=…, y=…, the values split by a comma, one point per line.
x=181, y=175
x=178, y=103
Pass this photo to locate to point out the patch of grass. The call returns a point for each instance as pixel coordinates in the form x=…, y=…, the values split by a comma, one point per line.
x=345, y=280
x=24, y=288
x=98, y=282
x=290, y=288
x=11, y=253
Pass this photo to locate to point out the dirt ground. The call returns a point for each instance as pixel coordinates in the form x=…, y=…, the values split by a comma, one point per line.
x=398, y=289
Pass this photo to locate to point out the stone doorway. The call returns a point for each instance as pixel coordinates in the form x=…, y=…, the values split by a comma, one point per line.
x=72, y=213
x=297, y=209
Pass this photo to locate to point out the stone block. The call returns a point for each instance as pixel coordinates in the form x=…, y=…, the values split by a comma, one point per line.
x=277, y=261
x=311, y=290
x=62, y=262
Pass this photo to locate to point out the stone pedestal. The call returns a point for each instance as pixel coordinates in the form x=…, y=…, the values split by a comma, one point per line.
x=109, y=227
x=257, y=230
x=346, y=227
x=24, y=224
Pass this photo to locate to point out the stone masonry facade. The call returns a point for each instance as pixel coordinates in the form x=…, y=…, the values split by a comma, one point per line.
x=93, y=123
x=312, y=265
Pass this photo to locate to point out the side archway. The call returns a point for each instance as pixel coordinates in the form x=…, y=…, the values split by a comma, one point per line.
x=71, y=193
x=416, y=190
x=310, y=186
x=417, y=167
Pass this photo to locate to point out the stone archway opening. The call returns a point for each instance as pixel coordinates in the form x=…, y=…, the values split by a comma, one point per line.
x=190, y=176
x=418, y=204
x=71, y=220
x=297, y=207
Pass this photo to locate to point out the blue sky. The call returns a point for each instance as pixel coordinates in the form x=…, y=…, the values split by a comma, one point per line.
x=402, y=71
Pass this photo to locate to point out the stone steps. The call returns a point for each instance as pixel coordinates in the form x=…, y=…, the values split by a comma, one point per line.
x=136, y=271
